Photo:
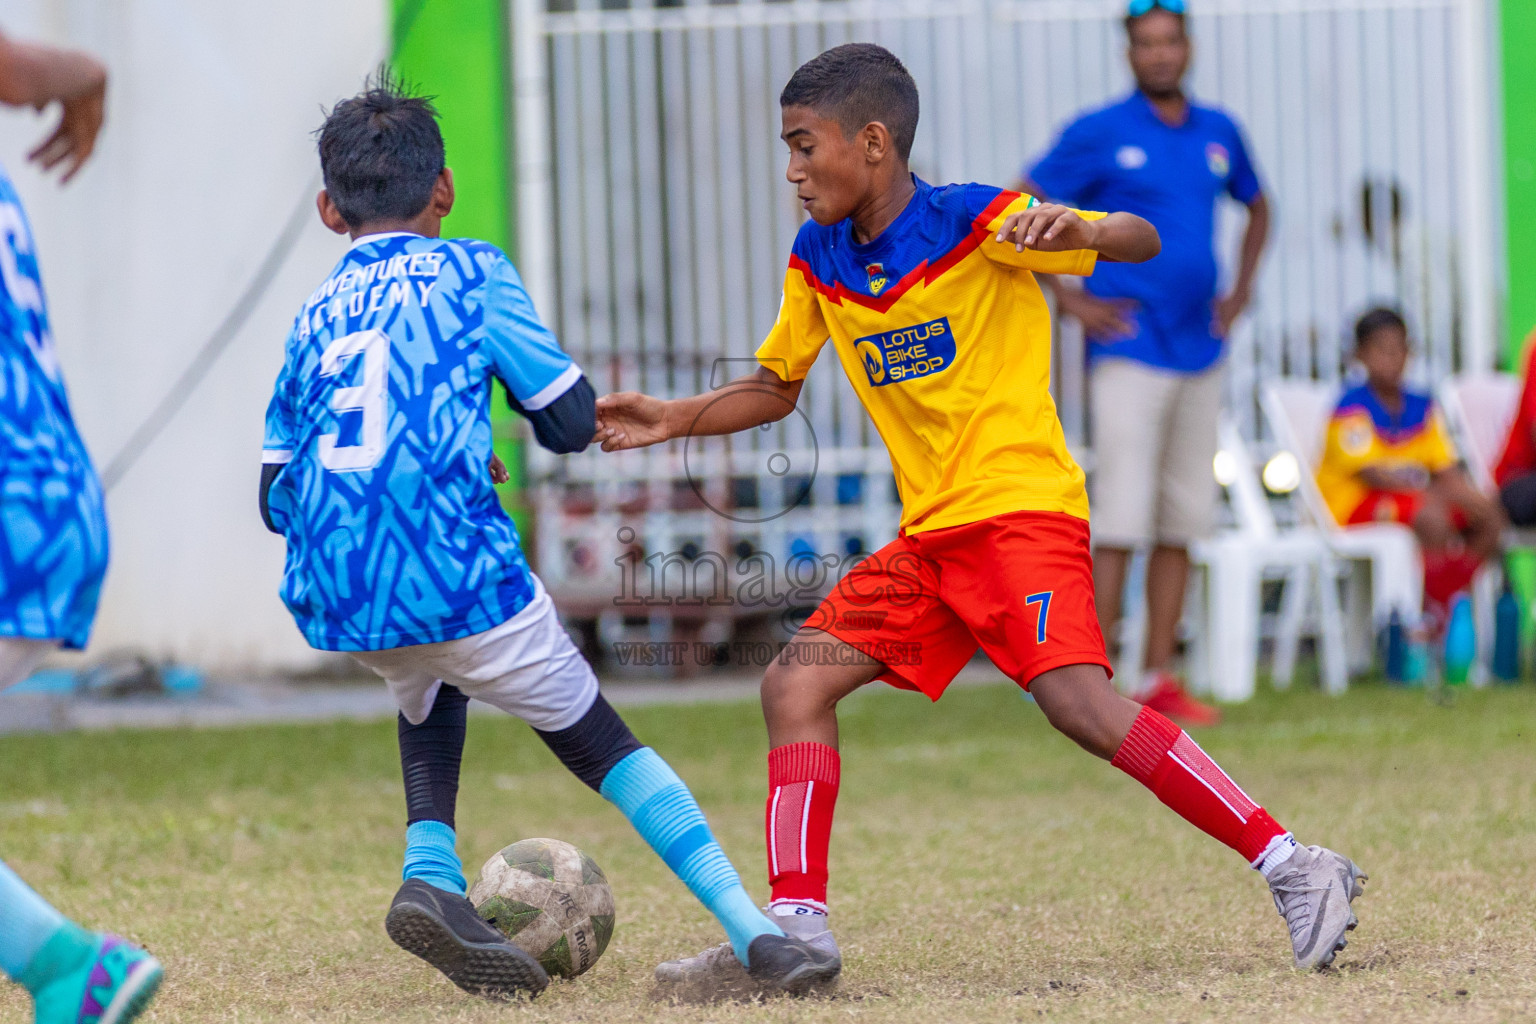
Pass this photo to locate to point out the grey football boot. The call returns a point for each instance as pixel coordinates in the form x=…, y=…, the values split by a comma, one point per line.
x=805, y=961
x=1313, y=891
x=714, y=975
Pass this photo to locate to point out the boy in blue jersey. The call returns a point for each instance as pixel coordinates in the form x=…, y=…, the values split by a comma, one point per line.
x=53, y=541
x=374, y=469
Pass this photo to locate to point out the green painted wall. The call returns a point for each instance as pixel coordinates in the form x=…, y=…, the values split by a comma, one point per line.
x=1517, y=37
x=456, y=52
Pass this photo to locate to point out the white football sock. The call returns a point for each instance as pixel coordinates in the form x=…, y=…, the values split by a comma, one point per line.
x=1276, y=854
x=796, y=908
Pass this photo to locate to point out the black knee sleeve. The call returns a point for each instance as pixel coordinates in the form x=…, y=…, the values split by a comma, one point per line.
x=430, y=755
x=1519, y=500
x=592, y=746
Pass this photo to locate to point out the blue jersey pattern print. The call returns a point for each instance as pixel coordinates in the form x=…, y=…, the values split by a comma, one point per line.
x=53, y=551
x=381, y=419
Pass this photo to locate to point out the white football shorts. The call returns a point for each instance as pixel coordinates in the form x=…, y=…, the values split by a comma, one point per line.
x=527, y=667
x=20, y=656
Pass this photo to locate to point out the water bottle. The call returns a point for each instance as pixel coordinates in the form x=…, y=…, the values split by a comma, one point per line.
x=1417, y=664
x=1506, y=637
x=1460, y=641
x=1397, y=650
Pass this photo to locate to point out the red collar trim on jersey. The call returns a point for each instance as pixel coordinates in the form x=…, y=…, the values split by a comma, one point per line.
x=925, y=272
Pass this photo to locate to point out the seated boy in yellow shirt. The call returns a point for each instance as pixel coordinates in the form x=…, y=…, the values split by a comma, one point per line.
x=1389, y=458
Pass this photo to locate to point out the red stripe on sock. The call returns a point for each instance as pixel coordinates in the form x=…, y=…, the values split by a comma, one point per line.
x=802, y=794
x=1162, y=757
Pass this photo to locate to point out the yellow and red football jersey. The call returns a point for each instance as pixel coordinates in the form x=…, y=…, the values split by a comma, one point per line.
x=1363, y=433
x=946, y=338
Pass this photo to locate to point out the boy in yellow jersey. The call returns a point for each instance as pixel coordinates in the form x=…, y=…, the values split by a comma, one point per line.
x=928, y=296
x=1388, y=458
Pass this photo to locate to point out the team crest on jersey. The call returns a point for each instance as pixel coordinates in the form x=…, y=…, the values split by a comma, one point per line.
x=916, y=351
x=1218, y=160
x=877, y=278
x=1355, y=435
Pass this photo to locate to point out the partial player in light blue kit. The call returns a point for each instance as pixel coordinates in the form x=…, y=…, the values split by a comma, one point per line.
x=375, y=470
x=53, y=542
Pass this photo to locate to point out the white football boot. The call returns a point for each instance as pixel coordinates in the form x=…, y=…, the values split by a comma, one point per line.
x=1313, y=891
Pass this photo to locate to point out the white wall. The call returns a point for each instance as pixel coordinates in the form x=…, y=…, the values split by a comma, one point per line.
x=206, y=151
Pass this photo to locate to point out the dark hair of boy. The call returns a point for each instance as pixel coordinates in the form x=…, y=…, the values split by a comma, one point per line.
x=1378, y=319
x=855, y=84
x=381, y=152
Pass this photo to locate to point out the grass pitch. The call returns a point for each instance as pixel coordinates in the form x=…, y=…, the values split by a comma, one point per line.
x=983, y=868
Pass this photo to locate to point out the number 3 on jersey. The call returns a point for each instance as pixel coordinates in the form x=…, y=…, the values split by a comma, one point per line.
x=370, y=397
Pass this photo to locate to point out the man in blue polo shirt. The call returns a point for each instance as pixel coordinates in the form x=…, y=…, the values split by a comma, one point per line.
x=1156, y=330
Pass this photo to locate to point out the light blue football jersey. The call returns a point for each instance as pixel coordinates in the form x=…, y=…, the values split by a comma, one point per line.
x=53, y=551
x=381, y=417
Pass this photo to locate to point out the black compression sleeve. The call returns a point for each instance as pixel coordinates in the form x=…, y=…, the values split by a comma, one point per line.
x=592, y=746
x=567, y=424
x=430, y=755
x=269, y=473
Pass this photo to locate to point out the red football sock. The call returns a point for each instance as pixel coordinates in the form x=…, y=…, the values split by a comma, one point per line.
x=1445, y=574
x=1162, y=757
x=802, y=792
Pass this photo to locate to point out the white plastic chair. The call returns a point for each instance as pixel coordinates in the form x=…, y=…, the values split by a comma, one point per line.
x=1480, y=408
x=1233, y=564
x=1385, y=568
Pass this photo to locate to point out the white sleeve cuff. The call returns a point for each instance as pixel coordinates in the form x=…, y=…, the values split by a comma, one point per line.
x=557, y=387
x=276, y=456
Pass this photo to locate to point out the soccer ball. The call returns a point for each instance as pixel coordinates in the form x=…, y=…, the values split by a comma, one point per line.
x=551, y=900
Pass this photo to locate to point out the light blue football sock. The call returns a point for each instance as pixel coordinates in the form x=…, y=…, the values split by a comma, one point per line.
x=27, y=923
x=665, y=814
x=431, y=857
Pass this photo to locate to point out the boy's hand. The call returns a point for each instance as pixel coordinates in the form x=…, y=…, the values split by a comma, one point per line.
x=75, y=137
x=36, y=75
x=1104, y=319
x=499, y=474
x=1049, y=227
x=628, y=419
x=1227, y=309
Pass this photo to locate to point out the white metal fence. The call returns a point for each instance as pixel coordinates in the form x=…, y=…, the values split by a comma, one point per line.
x=655, y=224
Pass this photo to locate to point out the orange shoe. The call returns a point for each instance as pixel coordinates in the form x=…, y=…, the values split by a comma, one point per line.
x=1166, y=695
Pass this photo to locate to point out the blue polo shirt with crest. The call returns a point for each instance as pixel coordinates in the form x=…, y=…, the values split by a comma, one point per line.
x=1124, y=157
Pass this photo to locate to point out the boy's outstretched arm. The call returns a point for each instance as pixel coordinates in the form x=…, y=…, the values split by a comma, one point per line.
x=1049, y=227
x=628, y=419
x=33, y=75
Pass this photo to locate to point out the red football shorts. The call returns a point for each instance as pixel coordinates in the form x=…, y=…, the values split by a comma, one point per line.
x=1018, y=586
x=1397, y=507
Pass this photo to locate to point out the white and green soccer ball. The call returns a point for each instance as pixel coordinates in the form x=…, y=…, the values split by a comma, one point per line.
x=551, y=900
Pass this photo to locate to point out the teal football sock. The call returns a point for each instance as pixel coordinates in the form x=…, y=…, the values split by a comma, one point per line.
x=36, y=941
x=665, y=814
x=431, y=857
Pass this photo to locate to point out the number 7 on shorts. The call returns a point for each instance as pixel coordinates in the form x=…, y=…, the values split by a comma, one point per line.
x=1043, y=599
